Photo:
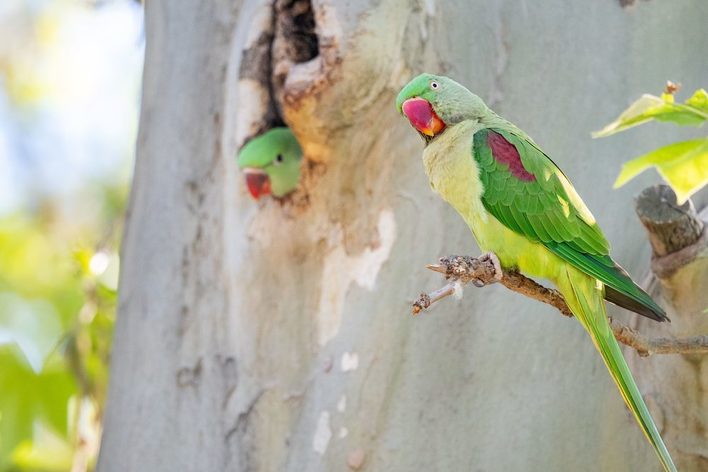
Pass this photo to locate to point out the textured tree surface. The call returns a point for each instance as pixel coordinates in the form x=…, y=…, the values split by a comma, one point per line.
x=680, y=263
x=670, y=227
x=277, y=336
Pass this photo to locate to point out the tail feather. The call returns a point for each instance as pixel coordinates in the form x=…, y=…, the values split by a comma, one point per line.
x=585, y=299
x=631, y=304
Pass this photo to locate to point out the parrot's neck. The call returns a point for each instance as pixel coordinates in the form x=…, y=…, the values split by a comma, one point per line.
x=453, y=171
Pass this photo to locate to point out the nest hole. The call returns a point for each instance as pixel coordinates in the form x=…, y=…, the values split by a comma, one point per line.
x=297, y=25
x=290, y=39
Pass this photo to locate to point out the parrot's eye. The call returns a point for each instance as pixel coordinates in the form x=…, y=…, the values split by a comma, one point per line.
x=278, y=158
x=434, y=85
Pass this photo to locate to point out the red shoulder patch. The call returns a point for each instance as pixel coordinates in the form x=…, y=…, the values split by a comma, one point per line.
x=506, y=153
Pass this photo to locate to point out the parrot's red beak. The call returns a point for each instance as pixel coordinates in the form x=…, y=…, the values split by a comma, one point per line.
x=422, y=116
x=257, y=182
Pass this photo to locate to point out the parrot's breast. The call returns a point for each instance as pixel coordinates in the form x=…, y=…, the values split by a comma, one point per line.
x=452, y=171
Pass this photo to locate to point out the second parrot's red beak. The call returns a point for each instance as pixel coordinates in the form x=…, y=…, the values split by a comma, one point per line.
x=257, y=182
x=422, y=116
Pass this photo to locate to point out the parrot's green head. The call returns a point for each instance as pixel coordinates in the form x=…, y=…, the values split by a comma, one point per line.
x=433, y=102
x=271, y=163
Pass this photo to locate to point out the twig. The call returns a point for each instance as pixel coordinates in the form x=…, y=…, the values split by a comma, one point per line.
x=485, y=270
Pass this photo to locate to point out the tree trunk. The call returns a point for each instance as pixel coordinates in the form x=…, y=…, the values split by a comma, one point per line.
x=680, y=265
x=277, y=335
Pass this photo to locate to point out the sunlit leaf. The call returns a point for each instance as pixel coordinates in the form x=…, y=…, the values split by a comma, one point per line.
x=35, y=264
x=650, y=107
x=699, y=100
x=27, y=397
x=46, y=451
x=684, y=165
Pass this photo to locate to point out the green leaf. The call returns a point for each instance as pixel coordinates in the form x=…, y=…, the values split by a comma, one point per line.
x=649, y=107
x=683, y=165
x=27, y=398
x=699, y=100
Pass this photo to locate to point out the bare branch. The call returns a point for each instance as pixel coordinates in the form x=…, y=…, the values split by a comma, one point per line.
x=646, y=346
x=485, y=270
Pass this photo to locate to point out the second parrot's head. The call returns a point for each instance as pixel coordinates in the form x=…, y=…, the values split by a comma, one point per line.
x=433, y=102
x=271, y=163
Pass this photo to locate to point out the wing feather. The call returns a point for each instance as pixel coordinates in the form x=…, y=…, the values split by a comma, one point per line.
x=529, y=194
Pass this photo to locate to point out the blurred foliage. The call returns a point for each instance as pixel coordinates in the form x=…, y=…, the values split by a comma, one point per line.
x=29, y=36
x=63, y=108
x=683, y=165
x=58, y=286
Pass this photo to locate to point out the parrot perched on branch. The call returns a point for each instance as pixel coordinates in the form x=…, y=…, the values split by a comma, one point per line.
x=271, y=163
x=522, y=208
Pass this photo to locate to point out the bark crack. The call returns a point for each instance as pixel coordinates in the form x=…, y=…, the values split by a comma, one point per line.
x=243, y=418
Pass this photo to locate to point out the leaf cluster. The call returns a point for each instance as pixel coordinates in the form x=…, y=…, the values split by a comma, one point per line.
x=58, y=283
x=684, y=165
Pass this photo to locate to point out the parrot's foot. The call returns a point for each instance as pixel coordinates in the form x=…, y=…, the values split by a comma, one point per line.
x=483, y=270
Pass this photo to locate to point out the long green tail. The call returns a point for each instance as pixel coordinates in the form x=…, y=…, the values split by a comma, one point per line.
x=585, y=300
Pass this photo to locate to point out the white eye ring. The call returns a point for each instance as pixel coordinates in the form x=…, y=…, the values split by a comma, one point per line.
x=434, y=85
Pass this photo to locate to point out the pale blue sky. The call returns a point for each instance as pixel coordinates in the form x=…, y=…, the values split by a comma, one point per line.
x=84, y=127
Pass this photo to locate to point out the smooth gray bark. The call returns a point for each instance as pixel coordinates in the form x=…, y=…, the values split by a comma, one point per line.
x=268, y=336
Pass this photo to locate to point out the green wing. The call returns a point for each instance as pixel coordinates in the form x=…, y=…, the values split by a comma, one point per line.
x=529, y=194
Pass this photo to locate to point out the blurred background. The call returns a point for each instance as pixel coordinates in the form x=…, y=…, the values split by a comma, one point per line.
x=69, y=97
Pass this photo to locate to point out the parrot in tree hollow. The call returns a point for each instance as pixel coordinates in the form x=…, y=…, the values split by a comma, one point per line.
x=271, y=163
x=522, y=208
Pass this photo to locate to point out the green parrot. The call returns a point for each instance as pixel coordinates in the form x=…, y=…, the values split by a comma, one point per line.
x=271, y=163
x=521, y=207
